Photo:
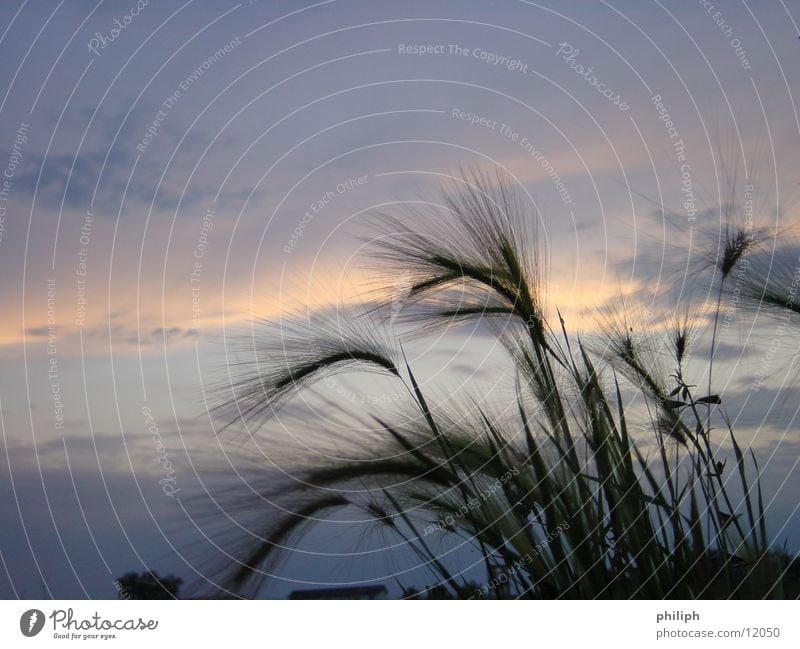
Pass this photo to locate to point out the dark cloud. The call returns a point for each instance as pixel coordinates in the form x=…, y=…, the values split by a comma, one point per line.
x=52, y=520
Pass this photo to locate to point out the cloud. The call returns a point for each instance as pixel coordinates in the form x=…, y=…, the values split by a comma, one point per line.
x=72, y=178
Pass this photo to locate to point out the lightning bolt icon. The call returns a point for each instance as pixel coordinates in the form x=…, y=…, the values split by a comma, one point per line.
x=32, y=621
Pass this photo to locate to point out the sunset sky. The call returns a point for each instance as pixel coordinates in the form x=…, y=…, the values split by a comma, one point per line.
x=172, y=175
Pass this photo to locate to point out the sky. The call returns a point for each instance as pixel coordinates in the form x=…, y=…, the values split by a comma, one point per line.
x=173, y=170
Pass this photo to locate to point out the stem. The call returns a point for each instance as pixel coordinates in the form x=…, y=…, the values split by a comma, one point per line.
x=713, y=349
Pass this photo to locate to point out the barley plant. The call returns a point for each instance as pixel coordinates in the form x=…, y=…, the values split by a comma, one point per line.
x=596, y=477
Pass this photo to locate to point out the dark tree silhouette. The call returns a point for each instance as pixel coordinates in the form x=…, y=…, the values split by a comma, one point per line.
x=148, y=585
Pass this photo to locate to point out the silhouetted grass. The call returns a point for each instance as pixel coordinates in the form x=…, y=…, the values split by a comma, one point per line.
x=554, y=488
